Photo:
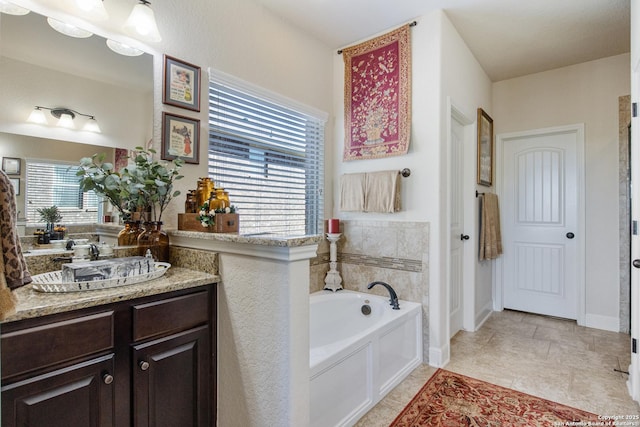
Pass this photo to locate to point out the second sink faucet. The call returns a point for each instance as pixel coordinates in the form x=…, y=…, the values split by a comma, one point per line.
x=392, y=293
x=94, y=252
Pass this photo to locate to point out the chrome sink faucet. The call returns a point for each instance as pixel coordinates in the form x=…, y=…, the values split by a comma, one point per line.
x=94, y=252
x=392, y=293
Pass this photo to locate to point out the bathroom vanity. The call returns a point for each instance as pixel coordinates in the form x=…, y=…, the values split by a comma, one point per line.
x=141, y=355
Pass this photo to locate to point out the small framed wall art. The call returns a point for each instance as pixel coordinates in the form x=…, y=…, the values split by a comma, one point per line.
x=180, y=138
x=485, y=149
x=11, y=165
x=181, y=86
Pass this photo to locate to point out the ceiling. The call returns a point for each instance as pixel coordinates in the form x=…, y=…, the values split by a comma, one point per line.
x=509, y=38
x=89, y=58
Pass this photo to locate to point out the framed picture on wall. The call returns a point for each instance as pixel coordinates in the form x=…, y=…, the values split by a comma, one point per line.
x=16, y=185
x=485, y=149
x=11, y=165
x=180, y=138
x=181, y=86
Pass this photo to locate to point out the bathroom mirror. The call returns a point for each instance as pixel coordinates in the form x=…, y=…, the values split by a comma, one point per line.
x=39, y=66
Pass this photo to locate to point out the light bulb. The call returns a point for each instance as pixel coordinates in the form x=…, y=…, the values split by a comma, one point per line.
x=12, y=9
x=92, y=125
x=66, y=121
x=123, y=49
x=93, y=9
x=37, y=116
x=142, y=23
x=68, y=29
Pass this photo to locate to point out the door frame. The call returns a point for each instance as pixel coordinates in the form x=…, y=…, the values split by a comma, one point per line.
x=468, y=297
x=633, y=383
x=501, y=140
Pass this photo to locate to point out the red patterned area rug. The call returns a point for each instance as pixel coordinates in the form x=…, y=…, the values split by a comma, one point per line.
x=454, y=400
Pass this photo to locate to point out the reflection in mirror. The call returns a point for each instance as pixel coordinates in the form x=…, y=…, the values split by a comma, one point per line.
x=47, y=177
x=39, y=66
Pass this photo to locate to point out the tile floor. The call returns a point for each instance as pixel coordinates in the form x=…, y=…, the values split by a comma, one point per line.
x=547, y=357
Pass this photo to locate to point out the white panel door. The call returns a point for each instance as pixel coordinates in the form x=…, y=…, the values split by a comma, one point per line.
x=540, y=221
x=456, y=219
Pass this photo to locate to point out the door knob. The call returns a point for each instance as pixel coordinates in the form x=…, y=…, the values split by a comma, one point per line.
x=636, y=263
x=464, y=237
x=570, y=235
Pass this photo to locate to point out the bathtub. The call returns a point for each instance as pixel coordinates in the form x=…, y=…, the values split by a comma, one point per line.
x=356, y=359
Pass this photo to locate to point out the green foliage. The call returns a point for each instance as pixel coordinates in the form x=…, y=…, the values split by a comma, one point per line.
x=146, y=183
x=50, y=215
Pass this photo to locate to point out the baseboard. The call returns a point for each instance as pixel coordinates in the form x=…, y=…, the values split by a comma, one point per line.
x=439, y=357
x=483, y=315
x=606, y=323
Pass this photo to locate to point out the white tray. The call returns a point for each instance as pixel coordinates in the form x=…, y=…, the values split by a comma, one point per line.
x=52, y=281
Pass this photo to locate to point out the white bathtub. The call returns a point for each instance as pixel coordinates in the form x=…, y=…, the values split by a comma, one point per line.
x=356, y=359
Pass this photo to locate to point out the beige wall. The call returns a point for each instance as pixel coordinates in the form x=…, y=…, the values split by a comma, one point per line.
x=584, y=93
x=445, y=75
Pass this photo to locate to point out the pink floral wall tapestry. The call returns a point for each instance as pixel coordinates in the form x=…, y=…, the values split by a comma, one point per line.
x=377, y=96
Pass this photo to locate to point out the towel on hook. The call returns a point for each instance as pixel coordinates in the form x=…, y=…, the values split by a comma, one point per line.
x=382, y=192
x=352, y=192
x=490, y=235
x=13, y=269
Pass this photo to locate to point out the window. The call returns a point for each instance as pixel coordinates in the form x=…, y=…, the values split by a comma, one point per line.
x=51, y=183
x=268, y=153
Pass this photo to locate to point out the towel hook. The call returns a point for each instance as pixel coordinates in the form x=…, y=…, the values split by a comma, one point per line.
x=405, y=172
x=479, y=194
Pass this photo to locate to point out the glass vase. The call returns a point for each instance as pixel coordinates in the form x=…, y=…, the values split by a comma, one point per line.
x=155, y=240
x=128, y=236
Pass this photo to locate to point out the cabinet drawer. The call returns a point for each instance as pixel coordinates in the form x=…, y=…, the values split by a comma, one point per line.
x=46, y=345
x=170, y=315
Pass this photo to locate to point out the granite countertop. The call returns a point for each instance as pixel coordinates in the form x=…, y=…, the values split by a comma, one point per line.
x=32, y=303
x=253, y=239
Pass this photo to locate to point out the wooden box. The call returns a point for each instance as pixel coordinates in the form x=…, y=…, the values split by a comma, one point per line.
x=225, y=223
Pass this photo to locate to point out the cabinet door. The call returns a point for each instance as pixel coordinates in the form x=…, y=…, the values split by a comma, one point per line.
x=80, y=395
x=172, y=380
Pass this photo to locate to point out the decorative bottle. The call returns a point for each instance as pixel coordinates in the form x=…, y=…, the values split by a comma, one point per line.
x=205, y=187
x=155, y=240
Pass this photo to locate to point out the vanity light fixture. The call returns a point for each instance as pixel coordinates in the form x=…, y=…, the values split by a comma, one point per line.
x=65, y=118
x=12, y=9
x=123, y=49
x=68, y=29
x=92, y=9
x=141, y=23
x=37, y=116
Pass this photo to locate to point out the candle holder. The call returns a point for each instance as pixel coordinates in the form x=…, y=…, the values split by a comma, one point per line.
x=333, y=281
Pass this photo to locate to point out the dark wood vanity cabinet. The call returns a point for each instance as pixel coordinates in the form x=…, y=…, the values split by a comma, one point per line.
x=143, y=362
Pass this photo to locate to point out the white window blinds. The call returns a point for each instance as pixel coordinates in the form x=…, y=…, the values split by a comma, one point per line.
x=51, y=183
x=269, y=156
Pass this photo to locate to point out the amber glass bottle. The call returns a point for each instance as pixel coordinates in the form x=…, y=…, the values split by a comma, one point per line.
x=129, y=235
x=154, y=239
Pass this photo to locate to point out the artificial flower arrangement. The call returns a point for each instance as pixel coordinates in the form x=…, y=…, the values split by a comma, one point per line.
x=207, y=217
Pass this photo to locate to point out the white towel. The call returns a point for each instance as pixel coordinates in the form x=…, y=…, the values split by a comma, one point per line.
x=352, y=191
x=382, y=192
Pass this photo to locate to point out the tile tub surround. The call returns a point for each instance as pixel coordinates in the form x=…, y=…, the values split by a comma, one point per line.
x=393, y=252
